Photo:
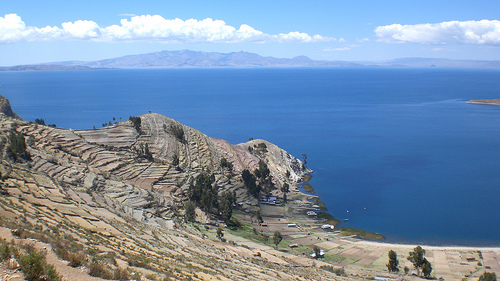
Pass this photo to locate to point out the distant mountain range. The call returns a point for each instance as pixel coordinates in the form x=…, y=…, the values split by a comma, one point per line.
x=187, y=58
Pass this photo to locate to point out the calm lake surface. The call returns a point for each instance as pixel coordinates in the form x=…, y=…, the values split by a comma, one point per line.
x=399, y=148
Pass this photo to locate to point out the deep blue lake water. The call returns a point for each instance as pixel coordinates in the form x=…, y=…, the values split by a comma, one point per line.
x=400, y=142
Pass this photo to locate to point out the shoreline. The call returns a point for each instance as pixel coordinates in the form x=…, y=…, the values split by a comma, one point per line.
x=304, y=219
x=368, y=258
x=365, y=258
x=396, y=245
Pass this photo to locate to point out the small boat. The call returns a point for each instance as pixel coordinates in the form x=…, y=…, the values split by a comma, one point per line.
x=346, y=219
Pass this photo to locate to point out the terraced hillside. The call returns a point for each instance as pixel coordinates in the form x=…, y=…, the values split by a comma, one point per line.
x=113, y=198
x=112, y=162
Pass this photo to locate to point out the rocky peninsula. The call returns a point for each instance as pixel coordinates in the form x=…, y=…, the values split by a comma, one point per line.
x=489, y=102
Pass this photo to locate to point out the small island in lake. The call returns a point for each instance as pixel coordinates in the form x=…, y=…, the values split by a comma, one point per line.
x=490, y=102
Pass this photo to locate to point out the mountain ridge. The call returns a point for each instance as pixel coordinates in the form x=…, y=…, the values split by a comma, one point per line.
x=199, y=59
x=188, y=58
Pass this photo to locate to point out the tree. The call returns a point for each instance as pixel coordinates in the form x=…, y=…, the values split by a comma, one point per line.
x=488, y=276
x=40, y=121
x=249, y=181
x=426, y=268
x=143, y=151
x=392, y=266
x=259, y=216
x=277, y=238
x=175, y=160
x=220, y=233
x=417, y=257
x=226, y=164
x=203, y=192
x=136, y=121
x=226, y=202
x=285, y=188
x=189, y=208
x=263, y=171
x=17, y=147
x=316, y=251
x=304, y=157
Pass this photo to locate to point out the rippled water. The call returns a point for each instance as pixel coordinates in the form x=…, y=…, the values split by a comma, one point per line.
x=400, y=142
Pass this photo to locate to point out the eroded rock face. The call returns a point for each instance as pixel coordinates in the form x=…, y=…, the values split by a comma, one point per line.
x=6, y=109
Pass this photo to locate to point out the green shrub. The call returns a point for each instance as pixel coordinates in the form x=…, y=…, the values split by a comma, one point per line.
x=17, y=147
x=76, y=260
x=327, y=267
x=96, y=269
x=233, y=223
x=34, y=267
x=488, y=276
x=5, y=251
x=121, y=274
x=340, y=271
x=40, y=121
x=226, y=164
x=138, y=261
x=177, y=131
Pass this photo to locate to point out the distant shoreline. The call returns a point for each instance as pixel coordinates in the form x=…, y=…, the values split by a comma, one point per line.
x=489, y=102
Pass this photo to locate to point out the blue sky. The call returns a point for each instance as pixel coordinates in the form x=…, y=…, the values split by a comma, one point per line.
x=46, y=31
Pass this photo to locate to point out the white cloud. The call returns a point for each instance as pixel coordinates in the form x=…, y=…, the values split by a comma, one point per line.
x=127, y=15
x=81, y=29
x=299, y=37
x=340, y=49
x=336, y=49
x=452, y=32
x=146, y=28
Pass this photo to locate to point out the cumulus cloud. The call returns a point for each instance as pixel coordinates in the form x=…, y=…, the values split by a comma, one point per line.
x=485, y=32
x=146, y=28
